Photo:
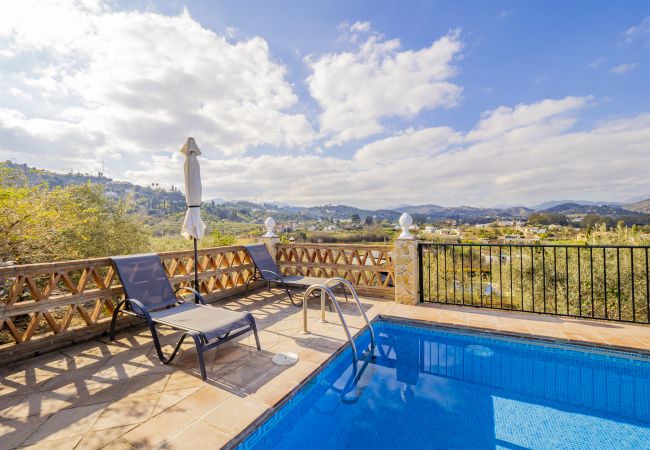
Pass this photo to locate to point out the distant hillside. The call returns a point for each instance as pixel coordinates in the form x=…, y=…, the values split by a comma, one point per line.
x=553, y=203
x=339, y=212
x=144, y=197
x=519, y=211
x=601, y=210
x=643, y=206
x=465, y=213
x=420, y=209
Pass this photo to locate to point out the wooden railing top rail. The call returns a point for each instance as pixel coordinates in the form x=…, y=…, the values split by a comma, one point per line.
x=24, y=269
x=379, y=247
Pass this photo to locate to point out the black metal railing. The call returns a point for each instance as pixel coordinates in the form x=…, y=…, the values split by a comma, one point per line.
x=598, y=282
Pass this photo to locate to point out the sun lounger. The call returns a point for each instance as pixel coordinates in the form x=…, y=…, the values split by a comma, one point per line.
x=267, y=270
x=150, y=296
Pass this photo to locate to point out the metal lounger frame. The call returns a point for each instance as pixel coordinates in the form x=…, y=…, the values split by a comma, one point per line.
x=203, y=344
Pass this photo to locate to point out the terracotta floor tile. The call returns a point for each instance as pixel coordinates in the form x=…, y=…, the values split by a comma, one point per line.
x=68, y=378
x=247, y=410
x=172, y=421
x=262, y=360
x=290, y=346
x=298, y=372
x=100, y=392
x=182, y=379
x=316, y=354
x=67, y=423
x=57, y=444
x=98, y=439
x=273, y=389
x=199, y=436
x=14, y=432
x=220, y=370
x=242, y=376
x=147, y=384
x=130, y=410
x=39, y=404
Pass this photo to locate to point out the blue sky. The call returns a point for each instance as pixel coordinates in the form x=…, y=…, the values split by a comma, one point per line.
x=516, y=52
x=372, y=103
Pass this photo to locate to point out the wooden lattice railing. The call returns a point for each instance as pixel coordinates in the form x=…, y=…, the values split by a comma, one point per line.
x=46, y=306
x=369, y=267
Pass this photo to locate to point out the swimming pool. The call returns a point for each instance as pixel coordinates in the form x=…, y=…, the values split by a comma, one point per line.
x=434, y=388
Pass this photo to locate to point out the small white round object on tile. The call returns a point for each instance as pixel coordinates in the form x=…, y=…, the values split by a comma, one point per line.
x=285, y=359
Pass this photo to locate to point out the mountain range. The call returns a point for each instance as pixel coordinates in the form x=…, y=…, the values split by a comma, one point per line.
x=150, y=199
x=567, y=208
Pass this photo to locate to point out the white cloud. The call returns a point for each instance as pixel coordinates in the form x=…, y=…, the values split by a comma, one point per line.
x=622, y=69
x=360, y=27
x=639, y=31
x=595, y=64
x=522, y=154
x=411, y=143
x=358, y=89
x=504, y=120
x=138, y=82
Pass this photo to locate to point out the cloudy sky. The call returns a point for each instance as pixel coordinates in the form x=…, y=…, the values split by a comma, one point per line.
x=366, y=103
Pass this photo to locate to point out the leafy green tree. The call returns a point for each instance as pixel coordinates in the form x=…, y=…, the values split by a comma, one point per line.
x=222, y=240
x=89, y=225
x=547, y=218
x=72, y=222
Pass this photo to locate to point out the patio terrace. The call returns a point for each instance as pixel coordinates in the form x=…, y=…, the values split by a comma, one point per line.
x=118, y=395
x=83, y=392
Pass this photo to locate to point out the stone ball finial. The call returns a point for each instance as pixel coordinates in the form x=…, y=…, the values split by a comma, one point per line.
x=269, y=223
x=405, y=222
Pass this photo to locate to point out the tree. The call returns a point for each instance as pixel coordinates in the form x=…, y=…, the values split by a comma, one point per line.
x=355, y=218
x=369, y=220
x=72, y=222
x=547, y=218
x=222, y=240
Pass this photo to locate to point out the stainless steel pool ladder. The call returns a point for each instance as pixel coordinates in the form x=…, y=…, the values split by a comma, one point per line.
x=326, y=291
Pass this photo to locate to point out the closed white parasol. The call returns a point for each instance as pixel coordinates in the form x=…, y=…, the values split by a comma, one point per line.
x=193, y=226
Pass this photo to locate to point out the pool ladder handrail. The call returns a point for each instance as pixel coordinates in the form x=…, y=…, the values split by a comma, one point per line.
x=326, y=291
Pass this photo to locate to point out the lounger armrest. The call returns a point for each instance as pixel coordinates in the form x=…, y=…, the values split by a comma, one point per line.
x=198, y=298
x=276, y=275
x=142, y=310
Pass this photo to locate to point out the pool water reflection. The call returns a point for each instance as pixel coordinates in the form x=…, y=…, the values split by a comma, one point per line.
x=429, y=388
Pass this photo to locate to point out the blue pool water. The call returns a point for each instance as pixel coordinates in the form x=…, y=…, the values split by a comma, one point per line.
x=430, y=388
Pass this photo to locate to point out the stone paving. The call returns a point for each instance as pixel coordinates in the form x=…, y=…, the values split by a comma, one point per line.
x=119, y=396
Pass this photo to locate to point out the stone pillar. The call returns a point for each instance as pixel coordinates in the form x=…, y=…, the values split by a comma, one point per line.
x=270, y=239
x=407, y=276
